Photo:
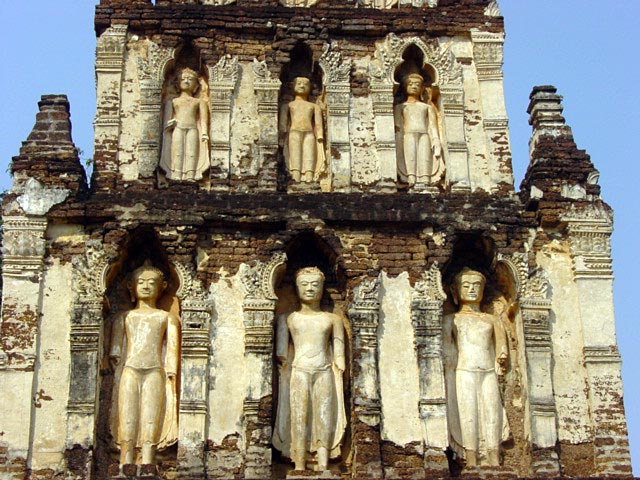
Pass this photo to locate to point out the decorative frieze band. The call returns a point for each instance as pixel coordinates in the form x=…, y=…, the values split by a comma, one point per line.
x=589, y=232
x=23, y=245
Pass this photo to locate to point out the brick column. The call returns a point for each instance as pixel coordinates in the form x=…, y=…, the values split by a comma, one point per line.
x=488, y=51
x=364, y=316
x=223, y=78
x=336, y=83
x=267, y=90
x=589, y=231
x=195, y=314
x=110, y=52
x=23, y=251
x=426, y=316
x=259, y=320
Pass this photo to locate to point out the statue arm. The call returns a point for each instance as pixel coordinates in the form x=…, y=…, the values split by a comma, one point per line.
x=338, y=343
x=318, y=123
x=169, y=121
x=501, y=347
x=204, y=120
x=449, y=342
x=117, y=338
x=283, y=120
x=397, y=117
x=173, y=346
x=434, y=131
x=282, y=339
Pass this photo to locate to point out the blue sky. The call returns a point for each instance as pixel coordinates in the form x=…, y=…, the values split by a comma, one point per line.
x=586, y=48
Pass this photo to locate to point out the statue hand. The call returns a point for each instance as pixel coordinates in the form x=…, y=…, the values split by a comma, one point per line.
x=437, y=150
x=171, y=375
x=172, y=123
x=205, y=137
x=113, y=363
x=340, y=364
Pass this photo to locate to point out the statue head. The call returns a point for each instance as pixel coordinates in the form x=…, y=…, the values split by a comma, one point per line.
x=413, y=84
x=147, y=282
x=301, y=85
x=187, y=80
x=309, y=284
x=469, y=286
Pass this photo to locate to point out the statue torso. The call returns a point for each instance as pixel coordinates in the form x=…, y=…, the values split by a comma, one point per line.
x=474, y=339
x=185, y=111
x=302, y=113
x=145, y=331
x=311, y=334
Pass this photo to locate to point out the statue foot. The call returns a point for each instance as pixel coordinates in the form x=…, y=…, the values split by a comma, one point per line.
x=471, y=457
x=323, y=459
x=308, y=177
x=493, y=458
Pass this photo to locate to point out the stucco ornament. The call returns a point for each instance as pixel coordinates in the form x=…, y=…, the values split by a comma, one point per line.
x=476, y=352
x=419, y=144
x=311, y=356
x=302, y=123
x=145, y=356
x=185, y=146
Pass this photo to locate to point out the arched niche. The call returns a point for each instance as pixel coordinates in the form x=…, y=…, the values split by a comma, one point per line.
x=142, y=245
x=174, y=166
x=479, y=252
x=308, y=249
x=301, y=64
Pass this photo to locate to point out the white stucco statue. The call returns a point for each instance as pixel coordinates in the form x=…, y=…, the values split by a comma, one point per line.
x=144, y=355
x=185, y=145
x=418, y=138
x=311, y=356
x=476, y=353
x=301, y=122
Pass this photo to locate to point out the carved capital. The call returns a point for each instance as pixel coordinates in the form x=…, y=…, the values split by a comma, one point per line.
x=260, y=303
x=89, y=275
x=224, y=74
x=152, y=67
x=334, y=68
x=589, y=232
x=110, y=49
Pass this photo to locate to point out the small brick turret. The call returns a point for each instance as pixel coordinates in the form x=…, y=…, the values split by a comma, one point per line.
x=49, y=154
x=558, y=171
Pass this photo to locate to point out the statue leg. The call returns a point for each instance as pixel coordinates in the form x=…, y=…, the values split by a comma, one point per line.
x=410, y=146
x=424, y=159
x=299, y=403
x=177, y=152
x=324, y=416
x=191, y=153
x=467, y=393
x=295, y=154
x=309, y=156
x=152, y=401
x=492, y=414
x=128, y=413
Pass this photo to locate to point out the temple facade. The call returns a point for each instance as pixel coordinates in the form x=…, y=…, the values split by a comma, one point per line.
x=301, y=254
